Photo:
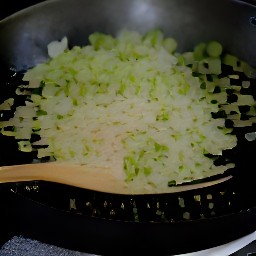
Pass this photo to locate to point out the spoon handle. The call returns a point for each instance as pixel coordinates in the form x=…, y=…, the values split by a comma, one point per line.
x=96, y=178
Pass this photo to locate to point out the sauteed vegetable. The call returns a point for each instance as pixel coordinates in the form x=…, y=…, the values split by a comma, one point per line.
x=135, y=105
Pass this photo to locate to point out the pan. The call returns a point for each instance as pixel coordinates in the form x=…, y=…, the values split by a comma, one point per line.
x=113, y=224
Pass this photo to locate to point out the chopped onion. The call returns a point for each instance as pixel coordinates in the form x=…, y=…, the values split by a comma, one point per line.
x=132, y=104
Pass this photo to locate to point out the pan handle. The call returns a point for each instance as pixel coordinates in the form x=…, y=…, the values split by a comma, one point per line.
x=225, y=249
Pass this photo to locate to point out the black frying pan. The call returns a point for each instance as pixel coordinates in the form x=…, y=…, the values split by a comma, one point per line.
x=102, y=223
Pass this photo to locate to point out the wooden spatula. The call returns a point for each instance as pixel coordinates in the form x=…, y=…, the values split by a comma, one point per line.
x=96, y=178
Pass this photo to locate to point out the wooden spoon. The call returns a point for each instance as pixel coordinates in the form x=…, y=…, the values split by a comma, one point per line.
x=96, y=178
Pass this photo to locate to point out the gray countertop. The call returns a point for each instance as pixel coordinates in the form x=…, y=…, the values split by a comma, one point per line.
x=20, y=246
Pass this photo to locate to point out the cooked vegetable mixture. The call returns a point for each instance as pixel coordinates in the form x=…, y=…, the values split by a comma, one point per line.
x=134, y=105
